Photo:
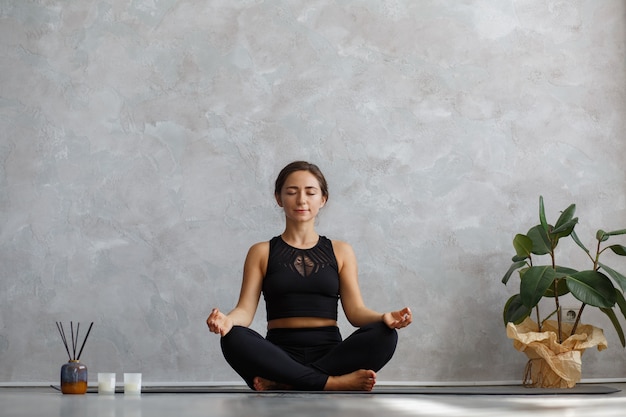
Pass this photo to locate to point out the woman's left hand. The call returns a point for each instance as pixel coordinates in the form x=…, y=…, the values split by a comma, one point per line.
x=398, y=319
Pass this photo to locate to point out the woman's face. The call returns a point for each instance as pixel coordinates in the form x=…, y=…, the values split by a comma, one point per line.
x=301, y=197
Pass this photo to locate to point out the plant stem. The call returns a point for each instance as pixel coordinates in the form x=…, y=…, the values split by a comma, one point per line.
x=582, y=307
x=556, y=297
x=538, y=318
x=558, y=309
x=580, y=311
x=548, y=316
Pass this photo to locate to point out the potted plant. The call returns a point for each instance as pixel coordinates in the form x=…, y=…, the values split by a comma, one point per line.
x=554, y=347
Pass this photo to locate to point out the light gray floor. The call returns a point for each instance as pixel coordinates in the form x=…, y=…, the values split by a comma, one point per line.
x=30, y=402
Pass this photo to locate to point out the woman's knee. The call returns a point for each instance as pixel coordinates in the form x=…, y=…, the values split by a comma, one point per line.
x=384, y=331
x=386, y=340
x=238, y=337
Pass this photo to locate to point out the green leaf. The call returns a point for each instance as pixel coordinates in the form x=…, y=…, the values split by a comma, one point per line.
x=512, y=268
x=616, y=324
x=619, y=297
x=622, y=306
x=562, y=271
x=601, y=235
x=542, y=215
x=593, y=288
x=523, y=245
x=578, y=242
x=565, y=229
x=561, y=287
x=515, y=311
x=618, y=249
x=619, y=278
x=617, y=232
x=535, y=281
x=566, y=217
x=541, y=242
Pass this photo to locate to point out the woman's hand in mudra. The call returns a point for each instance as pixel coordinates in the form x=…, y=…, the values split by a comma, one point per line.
x=398, y=319
x=219, y=323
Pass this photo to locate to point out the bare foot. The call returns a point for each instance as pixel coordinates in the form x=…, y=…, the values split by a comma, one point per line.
x=262, y=384
x=361, y=380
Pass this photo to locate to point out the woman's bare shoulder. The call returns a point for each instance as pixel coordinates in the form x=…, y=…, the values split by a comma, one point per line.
x=341, y=244
x=259, y=249
x=342, y=249
x=257, y=258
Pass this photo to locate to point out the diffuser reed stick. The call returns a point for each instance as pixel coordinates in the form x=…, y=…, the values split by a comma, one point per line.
x=72, y=356
x=62, y=333
x=73, y=343
x=86, y=336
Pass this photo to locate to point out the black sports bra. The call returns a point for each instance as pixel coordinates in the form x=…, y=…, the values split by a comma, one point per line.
x=301, y=282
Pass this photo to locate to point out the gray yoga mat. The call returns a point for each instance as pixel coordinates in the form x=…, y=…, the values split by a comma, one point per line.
x=579, y=389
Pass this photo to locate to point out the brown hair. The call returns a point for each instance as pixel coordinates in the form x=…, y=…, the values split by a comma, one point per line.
x=301, y=166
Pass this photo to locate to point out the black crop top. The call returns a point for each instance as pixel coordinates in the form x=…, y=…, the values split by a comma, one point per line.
x=301, y=282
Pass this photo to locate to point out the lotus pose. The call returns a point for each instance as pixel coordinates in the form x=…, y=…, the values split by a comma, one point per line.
x=302, y=277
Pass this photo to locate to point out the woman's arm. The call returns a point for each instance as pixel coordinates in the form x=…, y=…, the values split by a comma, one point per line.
x=254, y=270
x=357, y=313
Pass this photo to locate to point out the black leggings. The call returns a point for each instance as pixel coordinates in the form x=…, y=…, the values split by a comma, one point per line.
x=305, y=358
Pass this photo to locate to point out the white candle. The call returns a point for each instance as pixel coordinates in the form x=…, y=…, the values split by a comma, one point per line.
x=106, y=383
x=131, y=388
x=132, y=383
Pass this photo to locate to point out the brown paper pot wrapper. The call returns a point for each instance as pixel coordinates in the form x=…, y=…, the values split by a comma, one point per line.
x=552, y=364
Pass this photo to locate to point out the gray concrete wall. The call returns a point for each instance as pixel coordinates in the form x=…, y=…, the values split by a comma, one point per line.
x=139, y=141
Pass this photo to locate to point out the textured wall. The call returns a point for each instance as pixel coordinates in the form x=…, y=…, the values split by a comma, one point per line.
x=139, y=141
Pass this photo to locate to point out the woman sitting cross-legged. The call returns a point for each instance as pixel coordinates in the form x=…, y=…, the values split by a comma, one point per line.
x=303, y=276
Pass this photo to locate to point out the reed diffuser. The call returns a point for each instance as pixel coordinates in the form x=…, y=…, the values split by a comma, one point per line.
x=73, y=373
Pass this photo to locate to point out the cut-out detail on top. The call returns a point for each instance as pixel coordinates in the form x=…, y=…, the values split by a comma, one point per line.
x=305, y=262
x=304, y=265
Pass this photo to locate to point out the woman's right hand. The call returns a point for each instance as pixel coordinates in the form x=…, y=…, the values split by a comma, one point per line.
x=219, y=323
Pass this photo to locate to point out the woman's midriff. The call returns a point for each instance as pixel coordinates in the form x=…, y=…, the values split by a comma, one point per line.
x=300, y=322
